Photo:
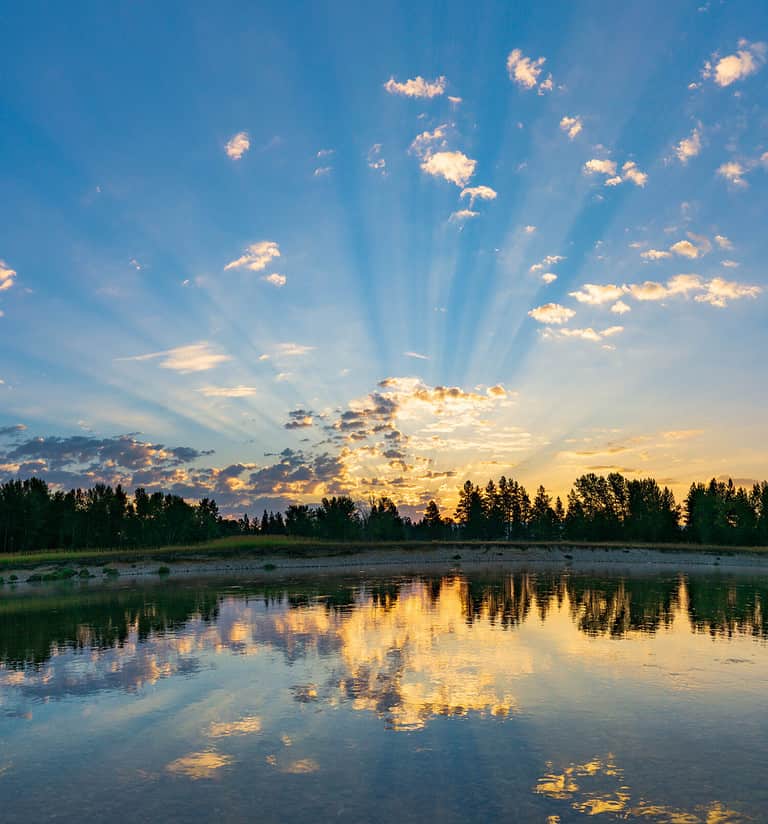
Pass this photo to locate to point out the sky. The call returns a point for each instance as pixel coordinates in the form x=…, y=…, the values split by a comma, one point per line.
x=271, y=252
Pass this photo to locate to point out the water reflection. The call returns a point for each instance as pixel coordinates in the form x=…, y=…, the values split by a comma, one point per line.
x=521, y=678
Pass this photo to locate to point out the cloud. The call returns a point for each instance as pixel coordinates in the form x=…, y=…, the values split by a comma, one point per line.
x=633, y=174
x=719, y=292
x=685, y=248
x=299, y=419
x=14, y=429
x=238, y=145
x=589, y=333
x=375, y=160
x=416, y=355
x=596, y=295
x=716, y=291
x=550, y=260
x=196, y=357
x=602, y=167
x=423, y=143
x=455, y=101
x=323, y=171
x=608, y=168
x=729, y=264
x=7, y=276
x=276, y=280
x=571, y=126
x=462, y=215
x=293, y=350
x=655, y=254
x=481, y=192
x=549, y=277
x=256, y=256
x=620, y=308
x=688, y=147
x=529, y=230
x=326, y=153
x=525, y=72
x=417, y=87
x=723, y=242
x=746, y=61
x=733, y=172
x=227, y=391
x=455, y=167
x=551, y=313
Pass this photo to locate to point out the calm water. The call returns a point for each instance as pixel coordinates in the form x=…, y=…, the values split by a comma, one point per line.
x=541, y=696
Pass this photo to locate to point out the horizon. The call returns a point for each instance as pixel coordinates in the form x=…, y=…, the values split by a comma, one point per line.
x=239, y=260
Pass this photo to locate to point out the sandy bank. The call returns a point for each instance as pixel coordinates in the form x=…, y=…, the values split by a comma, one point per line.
x=437, y=560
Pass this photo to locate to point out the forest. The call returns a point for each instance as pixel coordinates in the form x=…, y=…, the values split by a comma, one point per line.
x=33, y=516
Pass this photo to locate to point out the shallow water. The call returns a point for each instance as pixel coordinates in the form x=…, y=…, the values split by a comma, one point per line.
x=542, y=696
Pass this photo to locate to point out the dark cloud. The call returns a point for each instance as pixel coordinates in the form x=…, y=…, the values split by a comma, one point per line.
x=299, y=419
x=5, y=431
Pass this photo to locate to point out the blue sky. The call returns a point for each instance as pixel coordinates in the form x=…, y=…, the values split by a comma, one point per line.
x=276, y=252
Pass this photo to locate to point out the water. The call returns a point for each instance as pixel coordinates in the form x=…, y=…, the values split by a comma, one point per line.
x=525, y=696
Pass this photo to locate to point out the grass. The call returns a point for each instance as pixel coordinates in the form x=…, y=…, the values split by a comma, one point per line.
x=256, y=545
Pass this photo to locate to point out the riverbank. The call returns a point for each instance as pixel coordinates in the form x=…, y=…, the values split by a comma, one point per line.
x=280, y=557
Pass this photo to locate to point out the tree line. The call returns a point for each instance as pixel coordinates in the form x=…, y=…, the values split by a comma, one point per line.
x=597, y=508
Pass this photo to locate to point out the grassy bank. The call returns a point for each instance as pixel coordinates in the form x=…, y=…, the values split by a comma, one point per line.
x=255, y=546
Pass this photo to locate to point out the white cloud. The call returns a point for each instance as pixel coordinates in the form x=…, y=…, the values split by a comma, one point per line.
x=632, y=173
x=256, y=256
x=596, y=294
x=716, y=291
x=482, y=192
x=238, y=145
x=723, y=242
x=719, y=292
x=525, y=72
x=455, y=167
x=606, y=167
x=227, y=391
x=325, y=152
x=688, y=147
x=375, y=160
x=655, y=254
x=601, y=167
x=275, y=279
x=733, y=172
x=322, y=171
x=590, y=334
x=747, y=60
x=620, y=308
x=648, y=290
x=455, y=101
x=549, y=277
x=529, y=230
x=571, y=126
x=7, y=276
x=423, y=143
x=293, y=350
x=196, y=357
x=461, y=215
x=551, y=313
x=729, y=264
x=417, y=87
x=416, y=355
x=550, y=260
x=685, y=248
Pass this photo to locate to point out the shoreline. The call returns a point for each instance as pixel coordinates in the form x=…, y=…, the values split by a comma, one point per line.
x=441, y=559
